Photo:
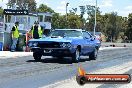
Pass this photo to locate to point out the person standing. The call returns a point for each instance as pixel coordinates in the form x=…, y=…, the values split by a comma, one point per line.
x=36, y=30
x=15, y=36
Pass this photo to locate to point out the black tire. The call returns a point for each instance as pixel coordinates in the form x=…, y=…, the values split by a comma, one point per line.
x=37, y=56
x=93, y=55
x=58, y=57
x=76, y=56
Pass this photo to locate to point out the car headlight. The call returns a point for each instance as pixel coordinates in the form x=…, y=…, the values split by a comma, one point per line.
x=33, y=44
x=69, y=45
x=65, y=45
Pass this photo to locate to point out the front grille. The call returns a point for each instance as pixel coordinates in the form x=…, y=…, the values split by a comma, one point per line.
x=49, y=45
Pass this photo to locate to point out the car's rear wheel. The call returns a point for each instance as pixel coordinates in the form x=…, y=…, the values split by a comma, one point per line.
x=94, y=54
x=37, y=56
x=76, y=56
x=57, y=56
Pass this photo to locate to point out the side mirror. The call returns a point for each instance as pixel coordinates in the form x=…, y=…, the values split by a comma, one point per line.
x=92, y=38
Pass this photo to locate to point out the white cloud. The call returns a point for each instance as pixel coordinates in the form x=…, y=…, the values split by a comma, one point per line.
x=128, y=8
x=41, y=2
x=106, y=3
x=3, y=3
x=87, y=0
x=62, y=7
x=63, y=2
x=126, y=11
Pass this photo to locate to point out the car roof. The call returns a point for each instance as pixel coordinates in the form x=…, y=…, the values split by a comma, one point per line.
x=70, y=29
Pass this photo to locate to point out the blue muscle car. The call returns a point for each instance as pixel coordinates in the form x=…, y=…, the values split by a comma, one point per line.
x=65, y=43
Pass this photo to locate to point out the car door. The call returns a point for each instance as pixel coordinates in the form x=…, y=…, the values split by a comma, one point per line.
x=88, y=44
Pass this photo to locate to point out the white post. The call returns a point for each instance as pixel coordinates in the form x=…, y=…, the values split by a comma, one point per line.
x=15, y=18
x=27, y=24
x=95, y=18
x=7, y=19
x=66, y=11
x=15, y=9
x=16, y=2
x=3, y=31
x=4, y=22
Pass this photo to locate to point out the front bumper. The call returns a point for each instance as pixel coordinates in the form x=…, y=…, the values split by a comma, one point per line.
x=66, y=52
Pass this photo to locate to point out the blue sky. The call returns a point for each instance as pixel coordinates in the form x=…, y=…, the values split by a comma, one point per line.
x=123, y=7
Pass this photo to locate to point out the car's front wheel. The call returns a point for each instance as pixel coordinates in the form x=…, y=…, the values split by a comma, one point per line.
x=94, y=54
x=76, y=56
x=37, y=56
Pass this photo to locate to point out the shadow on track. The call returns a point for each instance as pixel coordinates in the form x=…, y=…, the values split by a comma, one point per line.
x=57, y=60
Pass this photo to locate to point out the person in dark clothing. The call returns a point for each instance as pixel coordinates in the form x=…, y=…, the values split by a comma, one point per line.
x=36, y=30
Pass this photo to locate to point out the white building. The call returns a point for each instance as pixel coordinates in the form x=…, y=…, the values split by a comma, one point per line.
x=25, y=23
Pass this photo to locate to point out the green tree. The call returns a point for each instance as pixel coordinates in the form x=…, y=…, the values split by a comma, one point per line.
x=91, y=20
x=45, y=8
x=22, y=4
x=129, y=28
x=1, y=13
x=73, y=21
x=58, y=21
x=1, y=10
x=113, y=26
x=109, y=24
x=121, y=27
x=55, y=20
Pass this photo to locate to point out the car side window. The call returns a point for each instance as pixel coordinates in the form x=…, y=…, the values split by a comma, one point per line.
x=86, y=35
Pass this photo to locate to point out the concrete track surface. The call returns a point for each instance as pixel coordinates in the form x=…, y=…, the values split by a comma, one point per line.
x=24, y=72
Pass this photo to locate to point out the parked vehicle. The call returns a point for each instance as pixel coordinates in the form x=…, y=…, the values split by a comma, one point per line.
x=97, y=35
x=65, y=43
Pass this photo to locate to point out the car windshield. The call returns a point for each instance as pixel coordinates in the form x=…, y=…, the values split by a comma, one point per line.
x=66, y=33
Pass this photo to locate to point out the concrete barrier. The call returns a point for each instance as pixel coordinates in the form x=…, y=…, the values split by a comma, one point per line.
x=109, y=44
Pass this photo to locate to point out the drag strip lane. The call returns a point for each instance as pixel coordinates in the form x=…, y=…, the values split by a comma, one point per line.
x=34, y=73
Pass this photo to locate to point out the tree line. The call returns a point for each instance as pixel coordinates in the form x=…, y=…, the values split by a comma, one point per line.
x=112, y=25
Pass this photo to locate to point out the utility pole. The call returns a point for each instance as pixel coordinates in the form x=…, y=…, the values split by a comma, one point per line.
x=66, y=10
x=66, y=14
x=16, y=1
x=95, y=24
